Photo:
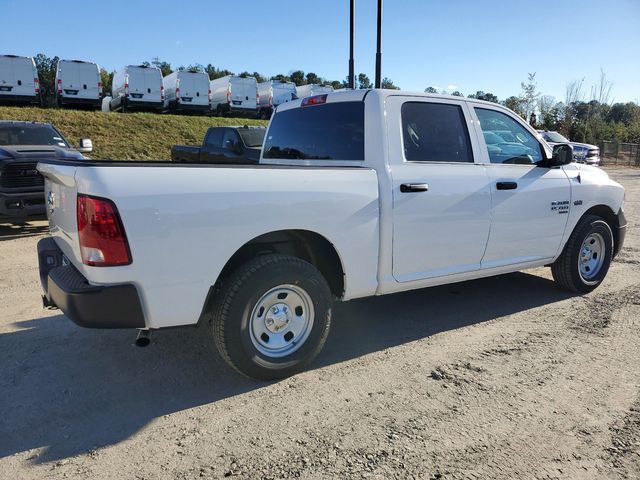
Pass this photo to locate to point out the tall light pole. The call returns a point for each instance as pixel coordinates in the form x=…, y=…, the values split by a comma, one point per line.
x=352, y=74
x=379, y=47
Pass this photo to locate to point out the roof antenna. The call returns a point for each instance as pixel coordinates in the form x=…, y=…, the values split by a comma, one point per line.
x=379, y=46
x=351, y=81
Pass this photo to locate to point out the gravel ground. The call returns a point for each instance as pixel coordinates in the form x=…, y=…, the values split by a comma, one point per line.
x=506, y=377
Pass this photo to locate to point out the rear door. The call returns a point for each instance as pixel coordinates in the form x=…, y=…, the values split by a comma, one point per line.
x=529, y=204
x=244, y=92
x=441, y=198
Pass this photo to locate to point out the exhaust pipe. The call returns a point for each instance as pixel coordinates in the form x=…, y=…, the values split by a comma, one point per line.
x=143, y=339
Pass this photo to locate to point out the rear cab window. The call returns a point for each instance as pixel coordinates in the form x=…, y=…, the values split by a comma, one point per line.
x=435, y=132
x=328, y=132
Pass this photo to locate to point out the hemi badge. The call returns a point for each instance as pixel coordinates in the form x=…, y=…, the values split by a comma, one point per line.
x=578, y=202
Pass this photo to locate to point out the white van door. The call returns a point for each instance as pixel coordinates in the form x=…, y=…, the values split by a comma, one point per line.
x=441, y=197
x=17, y=76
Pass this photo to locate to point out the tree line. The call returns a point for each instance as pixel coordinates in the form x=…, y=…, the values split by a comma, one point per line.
x=582, y=117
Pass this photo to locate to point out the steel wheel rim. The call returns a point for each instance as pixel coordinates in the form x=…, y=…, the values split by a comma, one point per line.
x=281, y=321
x=591, y=256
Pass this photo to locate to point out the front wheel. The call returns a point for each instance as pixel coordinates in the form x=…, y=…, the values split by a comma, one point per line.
x=585, y=260
x=272, y=316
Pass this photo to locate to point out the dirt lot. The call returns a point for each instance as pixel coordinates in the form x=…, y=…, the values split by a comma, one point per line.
x=506, y=377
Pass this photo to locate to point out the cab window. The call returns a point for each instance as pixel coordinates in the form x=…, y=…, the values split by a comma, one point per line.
x=435, y=132
x=507, y=141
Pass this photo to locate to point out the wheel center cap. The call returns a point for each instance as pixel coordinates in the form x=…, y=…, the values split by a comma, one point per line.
x=277, y=318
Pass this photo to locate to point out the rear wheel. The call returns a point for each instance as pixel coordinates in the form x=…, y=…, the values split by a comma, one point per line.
x=272, y=316
x=586, y=257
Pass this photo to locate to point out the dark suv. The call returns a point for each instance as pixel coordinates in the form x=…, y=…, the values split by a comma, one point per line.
x=22, y=146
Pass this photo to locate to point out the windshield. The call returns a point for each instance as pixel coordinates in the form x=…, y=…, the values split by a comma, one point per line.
x=252, y=137
x=554, y=137
x=31, y=135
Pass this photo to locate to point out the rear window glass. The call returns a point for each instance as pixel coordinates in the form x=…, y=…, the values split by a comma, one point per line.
x=333, y=131
x=252, y=137
x=31, y=135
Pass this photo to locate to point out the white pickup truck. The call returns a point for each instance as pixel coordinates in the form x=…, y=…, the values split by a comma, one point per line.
x=357, y=193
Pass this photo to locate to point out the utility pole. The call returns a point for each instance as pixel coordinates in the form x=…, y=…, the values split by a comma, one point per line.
x=379, y=47
x=352, y=74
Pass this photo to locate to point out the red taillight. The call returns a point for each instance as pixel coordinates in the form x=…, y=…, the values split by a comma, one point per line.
x=100, y=88
x=162, y=92
x=257, y=100
x=209, y=95
x=177, y=94
x=103, y=242
x=229, y=95
x=36, y=83
x=126, y=90
x=271, y=100
x=315, y=100
x=59, y=86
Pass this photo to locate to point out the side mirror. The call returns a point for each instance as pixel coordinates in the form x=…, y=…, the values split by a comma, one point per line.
x=86, y=145
x=562, y=155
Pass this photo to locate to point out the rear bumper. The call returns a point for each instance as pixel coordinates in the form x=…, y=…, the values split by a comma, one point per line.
x=21, y=204
x=7, y=99
x=189, y=107
x=81, y=102
x=90, y=306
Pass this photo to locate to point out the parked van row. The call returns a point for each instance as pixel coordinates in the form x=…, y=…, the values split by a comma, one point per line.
x=141, y=87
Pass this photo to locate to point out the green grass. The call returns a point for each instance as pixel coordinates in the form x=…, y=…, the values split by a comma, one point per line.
x=131, y=136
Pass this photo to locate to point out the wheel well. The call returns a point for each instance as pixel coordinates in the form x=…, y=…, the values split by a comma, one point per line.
x=610, y=217
x=304, y=244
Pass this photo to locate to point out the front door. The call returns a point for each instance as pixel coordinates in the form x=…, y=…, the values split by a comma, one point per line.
x=529, y=204
x=441, y=198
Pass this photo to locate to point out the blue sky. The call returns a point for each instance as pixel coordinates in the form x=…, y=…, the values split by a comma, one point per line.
x=467, y=45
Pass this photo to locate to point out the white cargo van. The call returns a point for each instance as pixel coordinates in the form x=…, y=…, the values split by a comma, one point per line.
x=187, y=91
x=273, y=93
x=137, y=87
x=234, y=94
x=78, y=83
x=313, y=89
x=19, y=82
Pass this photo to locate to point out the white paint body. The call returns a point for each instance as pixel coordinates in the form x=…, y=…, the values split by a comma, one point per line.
x=140, y=84
x=184, y=223
x=313, y=89
x=274, y=92
x=193, y=88
x=238, y=93
x=78, y=80
x=18, y=77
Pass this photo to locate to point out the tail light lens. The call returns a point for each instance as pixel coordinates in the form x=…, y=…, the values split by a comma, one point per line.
x=103, y=242
x=229, y=95
x=257, y=100
x=59, y=86
x=36, y=83
x=100, y=88
x=162, y=92
x=126, y=90
x=271, y=100
x=209, y=95
x=177, y=94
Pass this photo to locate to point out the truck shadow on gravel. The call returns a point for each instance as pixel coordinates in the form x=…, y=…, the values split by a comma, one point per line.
x=32, y=226
x=68, y=390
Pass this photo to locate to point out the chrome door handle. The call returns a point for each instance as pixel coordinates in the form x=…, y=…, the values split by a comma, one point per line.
x=413, y=187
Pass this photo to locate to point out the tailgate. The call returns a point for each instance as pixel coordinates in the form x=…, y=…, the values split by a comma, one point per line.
x=60, y=193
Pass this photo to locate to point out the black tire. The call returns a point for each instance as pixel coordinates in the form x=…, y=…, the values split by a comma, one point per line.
x=566, y=269
x=240, y=293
